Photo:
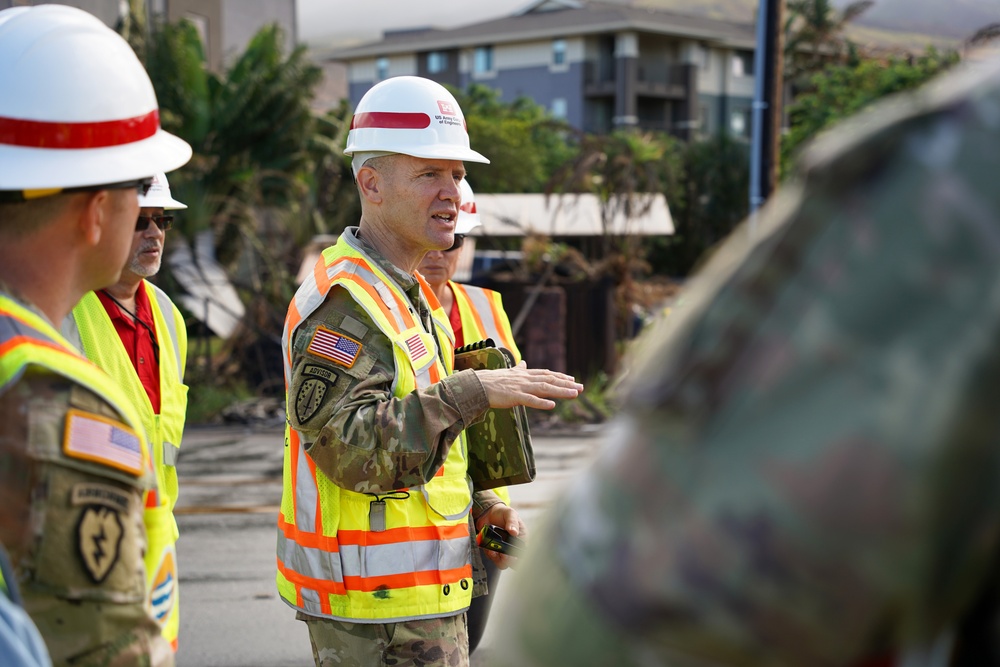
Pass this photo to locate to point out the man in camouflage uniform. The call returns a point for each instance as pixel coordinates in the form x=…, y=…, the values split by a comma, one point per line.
x=376, y=531
x=806, y=470
x=73, y=465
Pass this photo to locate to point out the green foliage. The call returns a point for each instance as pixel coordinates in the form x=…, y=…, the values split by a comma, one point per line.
x=207, y=400
x=523, y=143
x=814, y=35
x=710, y=199
x=844, y=90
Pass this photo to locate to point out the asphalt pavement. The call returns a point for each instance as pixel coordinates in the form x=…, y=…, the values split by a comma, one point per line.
x=230, y=490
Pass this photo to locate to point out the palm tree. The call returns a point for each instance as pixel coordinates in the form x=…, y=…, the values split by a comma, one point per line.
x=814, y=35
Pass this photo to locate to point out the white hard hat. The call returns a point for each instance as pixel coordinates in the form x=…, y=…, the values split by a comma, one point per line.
x=159, y=195
x=468, y=216
x=77, y=107
x=413, y=116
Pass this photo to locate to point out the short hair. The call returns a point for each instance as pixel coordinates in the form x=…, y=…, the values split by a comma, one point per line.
x=19, y=219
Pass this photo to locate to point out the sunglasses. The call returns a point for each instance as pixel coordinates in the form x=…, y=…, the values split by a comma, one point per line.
x=459, y=240
x=141, y=185
x=164, y=222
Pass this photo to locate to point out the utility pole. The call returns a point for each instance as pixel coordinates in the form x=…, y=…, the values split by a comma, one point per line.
x=767, y=105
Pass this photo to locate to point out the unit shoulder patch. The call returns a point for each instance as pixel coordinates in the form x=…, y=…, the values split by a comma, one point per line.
x=92, y=437
x=99, y=539
x=336, y=347
x=309, y=399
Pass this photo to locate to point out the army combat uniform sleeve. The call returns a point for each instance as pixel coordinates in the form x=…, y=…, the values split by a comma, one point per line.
x=73, y=527
x=362, y=437
x=806, y=468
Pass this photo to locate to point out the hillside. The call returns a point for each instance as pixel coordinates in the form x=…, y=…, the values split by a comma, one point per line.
x=902, y=23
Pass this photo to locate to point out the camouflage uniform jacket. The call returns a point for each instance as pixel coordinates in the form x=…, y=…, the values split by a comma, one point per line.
x=363, y=438
x=806, y=470
x=73, y=528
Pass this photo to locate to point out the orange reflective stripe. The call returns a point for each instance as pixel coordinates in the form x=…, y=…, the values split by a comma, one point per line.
x=372, y=293
x=402, y=535
x=318, y=525
x=28, y=340
x=495, y=308
x=321, y=586
x=408, y=580
x=403, y=308
x=306, y=539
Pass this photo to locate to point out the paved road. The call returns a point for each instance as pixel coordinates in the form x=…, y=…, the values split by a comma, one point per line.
x=230, y=480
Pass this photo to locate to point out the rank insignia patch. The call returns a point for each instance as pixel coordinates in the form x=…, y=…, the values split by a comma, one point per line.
x=99, y=536
x=336, y=347
x=309, y=399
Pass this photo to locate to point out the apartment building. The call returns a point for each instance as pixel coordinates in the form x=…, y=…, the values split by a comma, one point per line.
x=598, y=65
x=225, y=26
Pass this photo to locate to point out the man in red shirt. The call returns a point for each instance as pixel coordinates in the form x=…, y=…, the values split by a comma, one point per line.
x=147, y=359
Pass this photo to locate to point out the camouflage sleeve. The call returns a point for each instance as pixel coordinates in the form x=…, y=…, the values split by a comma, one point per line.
x=361, y=436
x=482, y=501
x=806, y=468
x=74, y=528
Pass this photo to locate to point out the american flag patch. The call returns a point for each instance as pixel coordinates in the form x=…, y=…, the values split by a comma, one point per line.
x=334, y=346
x=95, y=438
x=416, y=346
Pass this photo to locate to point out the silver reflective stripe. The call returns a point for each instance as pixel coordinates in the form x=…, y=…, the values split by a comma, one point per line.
x=167, y=311
x=305, y=493
x=484, y=307
x=314, y=563
x=381, y=560
x=170, y=453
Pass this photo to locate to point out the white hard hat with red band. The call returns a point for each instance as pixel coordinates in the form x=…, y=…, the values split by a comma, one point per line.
x=159, y=195
x=77, y=107
x=413, y=116
x=468, y=216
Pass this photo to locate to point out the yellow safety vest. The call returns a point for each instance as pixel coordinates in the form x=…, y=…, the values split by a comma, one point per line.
x=330, y=562
x=26, y=340
x=482, y=315
x=103, y=346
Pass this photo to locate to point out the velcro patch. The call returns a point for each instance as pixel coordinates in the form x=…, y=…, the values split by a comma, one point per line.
x=419, y=347
x=99, y=535
x=101, y=494
x=95, y=438
x=336, y=347
x=309, y=399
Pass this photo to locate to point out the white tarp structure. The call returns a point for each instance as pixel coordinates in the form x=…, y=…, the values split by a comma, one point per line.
x=210, y=296
x=564, y=215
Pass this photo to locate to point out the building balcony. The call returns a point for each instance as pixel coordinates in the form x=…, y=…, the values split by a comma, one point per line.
x=655, y=80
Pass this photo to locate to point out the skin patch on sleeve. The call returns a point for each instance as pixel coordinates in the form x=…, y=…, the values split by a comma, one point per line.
x=336, y=347
x=102, y=440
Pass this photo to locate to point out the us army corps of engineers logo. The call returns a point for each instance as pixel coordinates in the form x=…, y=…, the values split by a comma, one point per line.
x=100, y=536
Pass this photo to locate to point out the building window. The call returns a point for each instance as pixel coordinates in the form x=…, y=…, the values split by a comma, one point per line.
x=381, y=69
x=558, y=51
x=437, y=62
x=743, y=63
x=559, y=107
x=483, y=60
x=739, y=123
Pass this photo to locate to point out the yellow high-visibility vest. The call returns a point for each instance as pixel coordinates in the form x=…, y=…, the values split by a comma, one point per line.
x=102, y=345
x=330, y=562
x=482, y=315
x=26, y=340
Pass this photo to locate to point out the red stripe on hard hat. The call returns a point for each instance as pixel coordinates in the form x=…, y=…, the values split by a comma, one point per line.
x=390, y=120
x=469, y=207
x=102, y=134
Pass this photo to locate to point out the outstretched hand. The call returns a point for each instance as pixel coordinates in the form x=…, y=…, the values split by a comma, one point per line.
x=530, y=387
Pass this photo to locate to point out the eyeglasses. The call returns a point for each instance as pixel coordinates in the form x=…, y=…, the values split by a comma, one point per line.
x=141, y=185
x=459, y=240
x=164, y=222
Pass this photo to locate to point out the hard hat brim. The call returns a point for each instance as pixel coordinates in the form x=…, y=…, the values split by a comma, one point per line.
x=47, y=168
x=433, y=152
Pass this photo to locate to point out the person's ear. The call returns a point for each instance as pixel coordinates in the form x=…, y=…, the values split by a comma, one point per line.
x=370, y=184
x=93, y=215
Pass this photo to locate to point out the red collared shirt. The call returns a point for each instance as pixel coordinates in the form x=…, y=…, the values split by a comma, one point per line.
x=139, y=342
x=456, y=324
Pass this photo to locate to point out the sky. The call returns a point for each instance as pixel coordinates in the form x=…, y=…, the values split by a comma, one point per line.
x=342, y=23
